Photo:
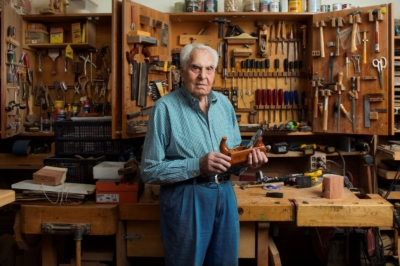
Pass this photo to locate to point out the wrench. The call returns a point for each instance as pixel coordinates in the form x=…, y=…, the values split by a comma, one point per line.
x=86, y=60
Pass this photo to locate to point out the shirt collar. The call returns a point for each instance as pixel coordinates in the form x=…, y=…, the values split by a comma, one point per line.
x=194, y=102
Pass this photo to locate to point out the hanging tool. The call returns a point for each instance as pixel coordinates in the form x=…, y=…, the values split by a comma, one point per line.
x=303, y=105
x=243, y=69
x=221, y=24
x=274, y=101
x=132, y=57
x=316, y=83
x=258, y=100
x=291, y=69
x=296, y=99
x=283, y=37
x=332, y=64
x=368, y=114
x=233, y=63
x=354, y=96
x=225, y=62
x=326, y=93
x=263, y=39
x=269, y=102
x=219, y=67
x=304, y=42
x=354, y=18
x=264, y=102
x=365, y=40
x=338, y=23
x=340, y=88
x=380, y=66
x=377, y=15
x=296, y=47
x=280, y=102
x=267, y=70
x=252, y=71
x=272, y=38
x=286, y=68
x=345, y=113
x=286, y=102
x=347, y=63
x=278, y=36
x=321, y=24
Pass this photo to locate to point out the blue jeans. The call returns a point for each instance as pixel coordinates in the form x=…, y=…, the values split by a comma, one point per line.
x=199, y=224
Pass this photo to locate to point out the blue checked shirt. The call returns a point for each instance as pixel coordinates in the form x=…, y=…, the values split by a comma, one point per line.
x=179, y=133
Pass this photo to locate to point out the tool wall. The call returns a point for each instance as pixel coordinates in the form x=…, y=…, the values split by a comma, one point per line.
x=41, y=76
x=272, y=66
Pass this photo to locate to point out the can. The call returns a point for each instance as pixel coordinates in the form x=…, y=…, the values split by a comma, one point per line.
x=314, y=6
x=336, y=6
x=210, y=6
x=264, y=5
x=325, y=8
x=284, y=6
x=294, y=6
x=194, y=6
x=179, y=7
x=61, y=115
x=274, y=7
x=346, y=6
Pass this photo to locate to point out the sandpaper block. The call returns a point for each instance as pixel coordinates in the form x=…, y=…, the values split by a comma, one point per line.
x=332, y=186
x=50, y=176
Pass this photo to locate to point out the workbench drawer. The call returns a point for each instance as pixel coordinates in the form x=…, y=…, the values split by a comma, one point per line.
x=144, y=239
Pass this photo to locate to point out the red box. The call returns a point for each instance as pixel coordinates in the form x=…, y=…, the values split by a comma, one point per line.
x=118, y=192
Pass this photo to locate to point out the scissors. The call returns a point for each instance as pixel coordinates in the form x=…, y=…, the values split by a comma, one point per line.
x=380, y=65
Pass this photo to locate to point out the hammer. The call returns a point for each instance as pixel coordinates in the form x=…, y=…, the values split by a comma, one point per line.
x=337, y=22
x=326, y=93
x=321, y=26
x=354, y=18
x=377, y=14
x=365, y=40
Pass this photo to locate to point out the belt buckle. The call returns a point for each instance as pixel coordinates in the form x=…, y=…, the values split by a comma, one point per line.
x=216, y=179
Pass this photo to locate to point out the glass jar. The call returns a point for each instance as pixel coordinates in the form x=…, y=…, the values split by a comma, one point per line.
x=231, y=5
x=251, y=5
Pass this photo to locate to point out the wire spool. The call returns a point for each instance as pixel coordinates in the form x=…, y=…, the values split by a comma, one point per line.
x=251, y=6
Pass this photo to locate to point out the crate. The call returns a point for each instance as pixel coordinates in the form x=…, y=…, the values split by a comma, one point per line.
x=79, y=170
x=88, y=138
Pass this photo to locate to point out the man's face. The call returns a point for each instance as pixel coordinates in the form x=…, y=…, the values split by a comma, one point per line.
x=199, y=74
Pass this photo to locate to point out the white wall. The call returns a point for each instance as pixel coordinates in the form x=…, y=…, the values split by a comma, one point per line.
x=104, y=6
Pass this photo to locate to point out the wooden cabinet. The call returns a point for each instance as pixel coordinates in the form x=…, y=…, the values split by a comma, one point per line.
x=312, y=84
x=396, y=83
x=92, y=71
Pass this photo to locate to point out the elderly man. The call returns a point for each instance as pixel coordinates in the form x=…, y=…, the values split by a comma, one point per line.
x=198, y=208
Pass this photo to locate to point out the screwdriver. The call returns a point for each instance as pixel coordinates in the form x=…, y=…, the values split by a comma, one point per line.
x=291, y=92
x=233, y=71
x=261, y=74
x=257, y=70
x=252, y=69
x=345, y=112
x=264, y=101
x=248, y=71
x=258, y=99
x=267, y=69
x=296, y=99
x=286, y=101
x=269, y=99
x=276, y=65
x=296, y=65
x=285, y=66
x=280, y=101
x=303, y=104
x=243, y=69
x=274, y=100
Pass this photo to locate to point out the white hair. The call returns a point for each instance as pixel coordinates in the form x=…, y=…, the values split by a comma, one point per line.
x=187, y=50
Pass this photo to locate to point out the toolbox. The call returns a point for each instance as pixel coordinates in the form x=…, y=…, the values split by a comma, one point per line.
x=113, y=191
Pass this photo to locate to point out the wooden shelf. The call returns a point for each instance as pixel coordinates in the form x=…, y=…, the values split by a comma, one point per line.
x=68, y=18
x=394, y=195
x=74, y=46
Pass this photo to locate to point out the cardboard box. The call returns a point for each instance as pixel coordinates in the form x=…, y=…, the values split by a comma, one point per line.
x=76, y=32
x=107, y=170
x=56, y=35
x=113, y=191
x=36, y=36
x=50, y=176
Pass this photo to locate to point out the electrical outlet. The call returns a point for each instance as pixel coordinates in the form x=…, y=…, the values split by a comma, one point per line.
x=317, y=161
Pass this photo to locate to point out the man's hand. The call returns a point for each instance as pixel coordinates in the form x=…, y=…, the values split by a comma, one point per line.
x=214, y=162
x=256, y=158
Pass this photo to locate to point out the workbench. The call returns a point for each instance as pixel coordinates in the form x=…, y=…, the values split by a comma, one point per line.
x=6, y=197
x=141, y=234
x=137, y=230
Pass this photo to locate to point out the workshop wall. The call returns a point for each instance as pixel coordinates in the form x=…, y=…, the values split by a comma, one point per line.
x=168, y=5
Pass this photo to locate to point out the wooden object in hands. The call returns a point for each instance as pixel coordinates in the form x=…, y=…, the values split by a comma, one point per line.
x=239, y=154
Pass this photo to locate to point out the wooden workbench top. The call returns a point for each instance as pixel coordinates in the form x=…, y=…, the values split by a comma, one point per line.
x=6, y=197
x=305, y=206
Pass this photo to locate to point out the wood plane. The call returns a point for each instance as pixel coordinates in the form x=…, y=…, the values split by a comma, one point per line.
x=239, y=154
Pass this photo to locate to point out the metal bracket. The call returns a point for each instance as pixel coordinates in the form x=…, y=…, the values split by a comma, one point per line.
x=65, y=228
x=132, y=236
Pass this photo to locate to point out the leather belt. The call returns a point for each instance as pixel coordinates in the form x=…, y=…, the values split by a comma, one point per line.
x=207, y=179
